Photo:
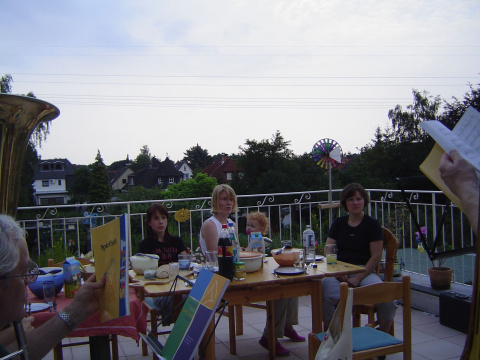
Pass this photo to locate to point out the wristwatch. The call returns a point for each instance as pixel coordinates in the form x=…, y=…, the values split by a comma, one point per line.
x=68, y=320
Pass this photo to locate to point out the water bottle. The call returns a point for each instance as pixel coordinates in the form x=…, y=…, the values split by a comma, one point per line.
x=225, y=253
x=309, y=245
x=233, y=239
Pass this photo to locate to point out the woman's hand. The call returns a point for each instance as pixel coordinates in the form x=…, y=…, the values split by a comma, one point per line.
x=353, y=281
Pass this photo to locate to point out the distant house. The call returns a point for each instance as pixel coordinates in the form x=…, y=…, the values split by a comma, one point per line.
x=52, y=180
x=186, y=170
x=119, y=178
x=157, y=174
x=223, y=169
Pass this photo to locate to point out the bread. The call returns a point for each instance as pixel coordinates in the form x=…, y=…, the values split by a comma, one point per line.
x=162, y=272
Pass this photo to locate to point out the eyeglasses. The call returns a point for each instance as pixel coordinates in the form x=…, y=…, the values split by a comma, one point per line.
x=30, y=276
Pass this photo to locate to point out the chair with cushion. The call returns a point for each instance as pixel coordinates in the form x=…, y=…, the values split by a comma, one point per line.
x=390, y=244
x=369, y=342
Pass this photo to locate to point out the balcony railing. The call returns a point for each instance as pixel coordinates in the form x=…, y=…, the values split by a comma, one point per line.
x=288, y=213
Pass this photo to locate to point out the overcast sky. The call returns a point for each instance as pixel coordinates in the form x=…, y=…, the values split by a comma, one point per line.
x=171, y=74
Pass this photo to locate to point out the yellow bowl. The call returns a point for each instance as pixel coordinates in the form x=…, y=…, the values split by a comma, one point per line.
x=287, y=257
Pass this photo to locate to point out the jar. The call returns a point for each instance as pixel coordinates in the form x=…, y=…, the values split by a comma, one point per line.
x=239, y=272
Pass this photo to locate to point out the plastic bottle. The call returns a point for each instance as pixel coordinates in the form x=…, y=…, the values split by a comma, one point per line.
x=309, y=245
x=225, y=253
x=233, y=239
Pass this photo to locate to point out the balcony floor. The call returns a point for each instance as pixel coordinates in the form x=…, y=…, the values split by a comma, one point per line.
x=430, y=339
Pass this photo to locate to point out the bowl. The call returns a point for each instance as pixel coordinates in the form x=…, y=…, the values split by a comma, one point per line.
x=252, y=259
x=142, y=262
x=287, y=257
x=37, y=287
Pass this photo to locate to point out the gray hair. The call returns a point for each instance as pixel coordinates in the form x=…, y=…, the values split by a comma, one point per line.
x=10, y=234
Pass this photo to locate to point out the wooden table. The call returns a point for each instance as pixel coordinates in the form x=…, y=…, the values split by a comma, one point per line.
x=264, y=285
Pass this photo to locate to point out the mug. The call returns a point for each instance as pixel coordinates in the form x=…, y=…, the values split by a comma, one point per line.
x=173, y=271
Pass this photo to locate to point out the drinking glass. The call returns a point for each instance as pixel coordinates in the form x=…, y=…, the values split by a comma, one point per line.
x=173, y=271
x=49, y=293
x=286, y=243
x=211, y=260
x=331, y=253
x=184, y=261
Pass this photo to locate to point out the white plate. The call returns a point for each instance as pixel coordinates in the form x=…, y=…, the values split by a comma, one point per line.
x=289, y=271
x=319, y=257
x=34, y=307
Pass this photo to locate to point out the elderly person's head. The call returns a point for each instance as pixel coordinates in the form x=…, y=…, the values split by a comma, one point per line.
x=14, y=263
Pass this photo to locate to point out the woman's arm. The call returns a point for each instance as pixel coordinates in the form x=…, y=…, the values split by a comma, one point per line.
x=376, y=248
x=210, y=234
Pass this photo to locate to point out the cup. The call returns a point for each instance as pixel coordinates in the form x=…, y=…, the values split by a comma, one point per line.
x=286, y=243
x=211, y=260
x=331, y=253
x=184, y=261
x=173, y=270
x=49, y=292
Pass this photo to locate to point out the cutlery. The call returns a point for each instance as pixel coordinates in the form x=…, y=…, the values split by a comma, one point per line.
x=285, y=247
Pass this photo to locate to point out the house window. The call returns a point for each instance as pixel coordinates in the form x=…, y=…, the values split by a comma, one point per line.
x=45, y=167
x=171, y=180
x=124, y=181
x=58, y=166
x=44, y=183
x=59, y=182
x=229, y=176
x=52, y=201
x=159, y=181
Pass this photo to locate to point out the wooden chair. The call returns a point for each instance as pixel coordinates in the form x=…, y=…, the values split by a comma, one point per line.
x=57, y=350
x=367, y=341
x=390, y=244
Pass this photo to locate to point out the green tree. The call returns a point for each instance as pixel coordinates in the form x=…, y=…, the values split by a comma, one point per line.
x=455, y=109
x=199, y=186
x=99, y=190
x=197, y=158
x=406, y=123
x=257, y=158
x=79, y=189
x=143, y=159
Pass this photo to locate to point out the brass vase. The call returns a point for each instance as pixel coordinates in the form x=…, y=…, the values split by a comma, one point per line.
x=19, y=116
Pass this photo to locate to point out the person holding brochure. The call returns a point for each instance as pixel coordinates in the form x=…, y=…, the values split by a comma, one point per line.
x=16, y=272
x=158, y=240
x=461, y=178
x=359, y=240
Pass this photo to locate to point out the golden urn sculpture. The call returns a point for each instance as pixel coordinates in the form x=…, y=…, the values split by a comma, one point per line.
x=19, y=116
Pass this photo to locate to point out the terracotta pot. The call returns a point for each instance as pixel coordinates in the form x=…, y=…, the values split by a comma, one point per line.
x=440, y=277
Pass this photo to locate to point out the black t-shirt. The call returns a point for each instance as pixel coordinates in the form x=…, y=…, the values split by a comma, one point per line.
x=353, y=243
x=167, y=252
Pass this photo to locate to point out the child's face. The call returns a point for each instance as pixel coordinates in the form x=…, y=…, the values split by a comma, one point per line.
x=254, y=226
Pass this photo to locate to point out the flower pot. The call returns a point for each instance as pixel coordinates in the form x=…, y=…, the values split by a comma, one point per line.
x=440, y=277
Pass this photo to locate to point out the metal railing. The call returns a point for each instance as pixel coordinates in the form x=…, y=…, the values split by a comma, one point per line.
x=288, y=213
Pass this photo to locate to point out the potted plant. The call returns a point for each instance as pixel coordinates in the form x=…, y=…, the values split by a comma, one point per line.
x=440, y=276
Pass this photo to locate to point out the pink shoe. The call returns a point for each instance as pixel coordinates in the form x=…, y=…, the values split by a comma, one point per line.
x=279, y=349
x=292, y=335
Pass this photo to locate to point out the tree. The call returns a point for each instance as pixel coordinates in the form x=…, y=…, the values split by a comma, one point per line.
x=406, y=123
x=197, y=158
x=454, y=111
x=99, y=190
x=143, y=159
x=199, y=186
x=257, y=158
x=5, y=84
x=80, y=186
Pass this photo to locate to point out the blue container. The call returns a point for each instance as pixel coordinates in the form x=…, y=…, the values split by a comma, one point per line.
x=37, y=287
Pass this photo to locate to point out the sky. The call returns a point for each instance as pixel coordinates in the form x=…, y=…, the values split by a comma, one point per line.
x=174, y=74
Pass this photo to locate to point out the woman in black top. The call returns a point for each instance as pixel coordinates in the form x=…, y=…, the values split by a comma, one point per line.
x=159, y=241
x=359, y=240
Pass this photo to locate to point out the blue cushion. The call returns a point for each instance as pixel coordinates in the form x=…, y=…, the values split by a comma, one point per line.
x=365, y=338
